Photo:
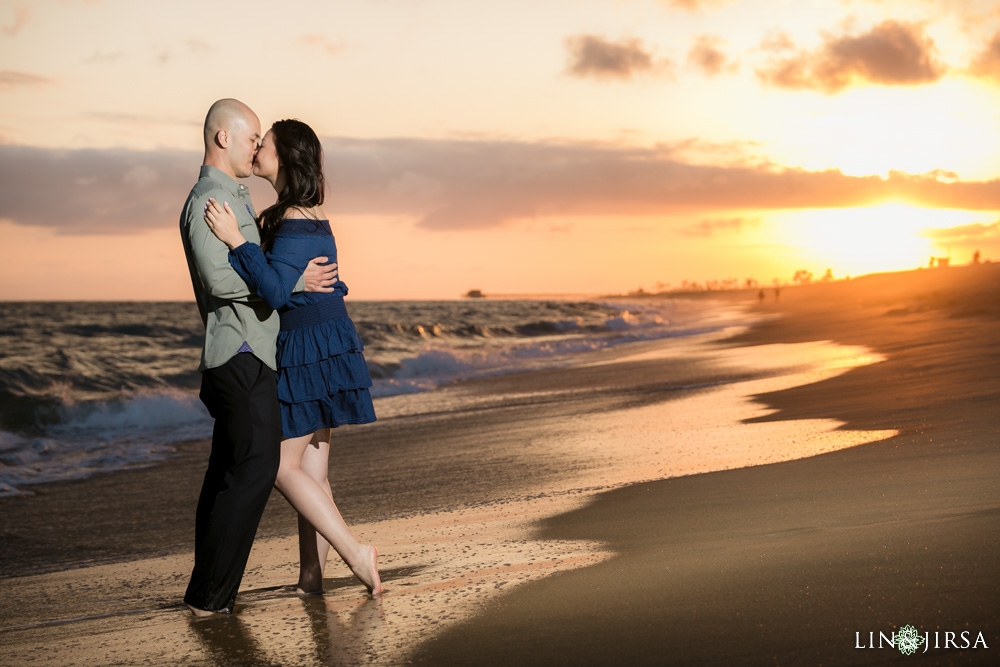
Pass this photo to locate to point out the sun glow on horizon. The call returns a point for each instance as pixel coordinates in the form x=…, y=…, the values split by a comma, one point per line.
x=855, y=241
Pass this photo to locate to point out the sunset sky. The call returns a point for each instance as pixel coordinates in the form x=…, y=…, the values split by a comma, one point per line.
x=543, y=146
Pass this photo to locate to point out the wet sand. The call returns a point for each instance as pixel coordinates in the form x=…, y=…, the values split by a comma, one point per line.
x=785, y=563
x=559, y=517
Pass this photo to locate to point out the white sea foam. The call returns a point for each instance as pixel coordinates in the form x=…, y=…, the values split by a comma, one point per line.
x=134, y=431
x=441, y=362
x=145, y=409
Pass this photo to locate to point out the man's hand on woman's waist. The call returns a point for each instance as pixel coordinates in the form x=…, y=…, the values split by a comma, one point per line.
x=319, y=278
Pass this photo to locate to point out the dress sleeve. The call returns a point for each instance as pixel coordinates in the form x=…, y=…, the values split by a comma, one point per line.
x=277, y=275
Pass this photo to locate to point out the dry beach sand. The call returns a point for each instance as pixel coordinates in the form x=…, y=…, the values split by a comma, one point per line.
x=598, y=514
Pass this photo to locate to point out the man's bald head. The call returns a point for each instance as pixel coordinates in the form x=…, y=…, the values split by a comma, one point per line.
x=232, y=130
x=223, y=115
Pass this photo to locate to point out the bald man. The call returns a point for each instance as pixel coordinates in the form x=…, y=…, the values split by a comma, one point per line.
x=238, y=384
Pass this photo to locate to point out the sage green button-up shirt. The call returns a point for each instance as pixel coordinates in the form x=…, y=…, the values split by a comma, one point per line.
x=231, y=314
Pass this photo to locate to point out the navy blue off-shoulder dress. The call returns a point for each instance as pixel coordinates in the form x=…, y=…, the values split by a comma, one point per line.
x=323, y=380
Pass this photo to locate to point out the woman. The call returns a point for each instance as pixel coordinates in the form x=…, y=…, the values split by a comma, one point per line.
x=322, y=377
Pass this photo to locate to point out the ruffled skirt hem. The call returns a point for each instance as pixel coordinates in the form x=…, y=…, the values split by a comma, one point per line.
x=323, y=379
x=347, y=407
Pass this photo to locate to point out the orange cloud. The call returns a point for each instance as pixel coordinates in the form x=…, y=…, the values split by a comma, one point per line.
x=21, y=18
x=696, y=5
x=725, y=225
x=706, y=56
x=100, y=57
x=9, y=79
x=591, y=56
x=321, y=42
x=974, y=232
x=890, y=54
x=987, y=63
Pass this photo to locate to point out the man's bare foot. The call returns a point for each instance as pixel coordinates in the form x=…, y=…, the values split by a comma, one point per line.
x=367, y=569
x=201, y=613
x=304, y=590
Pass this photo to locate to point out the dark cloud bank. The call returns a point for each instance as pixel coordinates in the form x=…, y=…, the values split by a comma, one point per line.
x=451, y=184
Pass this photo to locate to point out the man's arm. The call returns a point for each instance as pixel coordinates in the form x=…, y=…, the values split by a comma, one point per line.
x=211, y=256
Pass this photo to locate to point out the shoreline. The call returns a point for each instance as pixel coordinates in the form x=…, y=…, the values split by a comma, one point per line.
x=689, y=566
x=68, y=523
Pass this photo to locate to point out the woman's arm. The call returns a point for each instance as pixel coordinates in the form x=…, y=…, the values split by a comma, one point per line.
x=272, y=278
x=275, y=277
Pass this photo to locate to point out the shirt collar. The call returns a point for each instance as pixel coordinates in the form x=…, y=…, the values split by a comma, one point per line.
x=223, y=179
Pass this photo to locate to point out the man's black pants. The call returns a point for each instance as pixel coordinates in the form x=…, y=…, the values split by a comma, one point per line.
x=242, y=396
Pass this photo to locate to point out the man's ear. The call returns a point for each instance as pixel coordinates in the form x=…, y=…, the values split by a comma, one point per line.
x=222, y=138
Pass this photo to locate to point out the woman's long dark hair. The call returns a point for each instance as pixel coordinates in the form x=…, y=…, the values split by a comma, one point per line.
x=301, y=156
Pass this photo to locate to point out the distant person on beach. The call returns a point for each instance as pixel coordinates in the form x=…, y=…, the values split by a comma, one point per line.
x=323, y=380
x=238, y=384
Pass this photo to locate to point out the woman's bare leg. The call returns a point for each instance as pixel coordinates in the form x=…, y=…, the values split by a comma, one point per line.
x=313, y=548
x=311, y=501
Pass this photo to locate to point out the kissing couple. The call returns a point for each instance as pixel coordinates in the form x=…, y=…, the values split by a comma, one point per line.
x=282, y=364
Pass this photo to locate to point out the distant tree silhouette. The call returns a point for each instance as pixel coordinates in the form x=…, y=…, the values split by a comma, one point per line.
x=803, y=276
x=828, y=276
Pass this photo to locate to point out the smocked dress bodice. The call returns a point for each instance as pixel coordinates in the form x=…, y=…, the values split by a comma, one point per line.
x=323, y=380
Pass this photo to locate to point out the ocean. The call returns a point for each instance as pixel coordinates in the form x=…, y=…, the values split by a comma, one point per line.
x=93, y=387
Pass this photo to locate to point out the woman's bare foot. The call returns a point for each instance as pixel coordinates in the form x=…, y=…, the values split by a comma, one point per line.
x=367, y=569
